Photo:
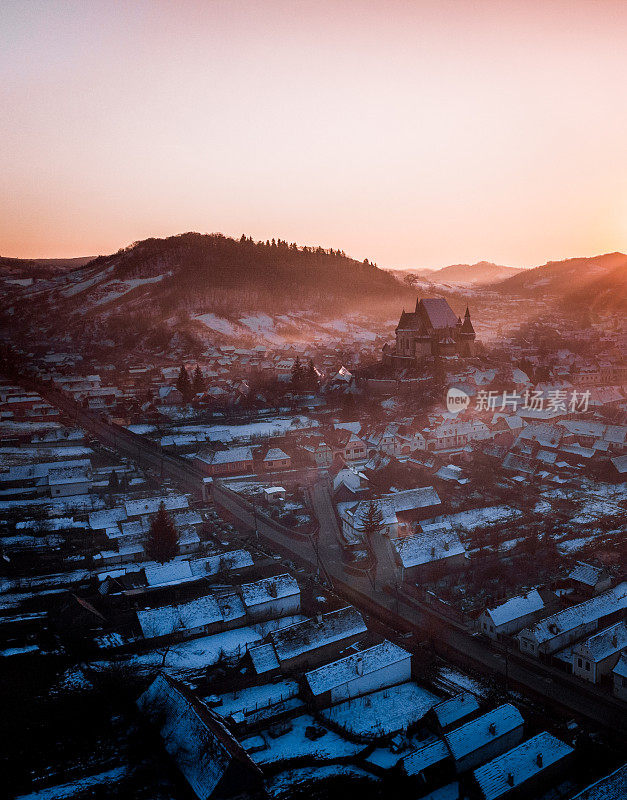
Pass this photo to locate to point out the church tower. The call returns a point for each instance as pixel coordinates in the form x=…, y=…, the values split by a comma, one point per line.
x=466, y=336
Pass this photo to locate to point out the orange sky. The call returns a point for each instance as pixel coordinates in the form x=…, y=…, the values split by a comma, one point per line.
x=414, y=134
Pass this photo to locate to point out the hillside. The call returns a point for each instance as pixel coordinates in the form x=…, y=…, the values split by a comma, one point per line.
x=39, y=267
x=605, y=294
x=562, y=278
x=214, y=288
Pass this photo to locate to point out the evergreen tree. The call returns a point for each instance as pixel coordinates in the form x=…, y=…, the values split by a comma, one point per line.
x=297, y=373
x=114, y=483
x=198, y=382
x=311, y=376
x=183, y=385
x=163, y=538
x=373, y=519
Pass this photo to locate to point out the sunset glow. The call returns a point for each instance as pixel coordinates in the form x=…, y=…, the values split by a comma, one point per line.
x=413, y=134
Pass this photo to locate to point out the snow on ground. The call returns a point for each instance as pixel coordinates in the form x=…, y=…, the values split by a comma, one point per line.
x=384, y=712
x=285, y=782
x=218, y=324
x=141, y=428
x=383, y=757
x=256, y=697
x=476, y=517
x=294, y=743
x=80, y=787
x=116, y=289
x=184, y=658
x=573, y=545
x=461, y=680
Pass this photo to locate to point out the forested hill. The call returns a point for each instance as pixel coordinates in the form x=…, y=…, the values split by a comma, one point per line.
x=272, y=274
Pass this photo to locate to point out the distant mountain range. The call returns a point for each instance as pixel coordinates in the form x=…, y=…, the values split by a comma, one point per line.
x=479, y=273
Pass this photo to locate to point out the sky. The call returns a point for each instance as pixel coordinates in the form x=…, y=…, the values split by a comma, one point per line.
x=411, y=133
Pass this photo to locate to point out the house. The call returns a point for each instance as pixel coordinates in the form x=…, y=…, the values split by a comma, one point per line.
x=611, y=787
x=399, y=510
x=274, y=493
x=619, y=678
x=69, y=481
x=596, y=656
x=184, y=620
x=512, y=616
x=435, y=548
x=236, y=460
x=485, y=737
x=310, y=642
x=559, y=630
x=429, y=756
x=587, y=580
x=524, y=768
x=383, y=665
x=170, y=396
x=207, y=754
x=452, y=710
x=268, y=598
x=276, y=458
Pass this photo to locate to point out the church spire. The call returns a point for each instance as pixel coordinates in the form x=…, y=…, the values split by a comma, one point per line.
x=467, y=326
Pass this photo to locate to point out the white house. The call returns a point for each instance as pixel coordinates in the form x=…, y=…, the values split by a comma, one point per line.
x=559, y=630
x=511, y=616
x=596, y=656
x=278, y=596
x=522, y=768
x=383, y=665
x=399, y=511
x=485, y=737
x=436, y=547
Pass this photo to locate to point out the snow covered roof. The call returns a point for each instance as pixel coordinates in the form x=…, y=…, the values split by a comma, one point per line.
x=106, y=518
x=613, y=600
x=604, y=643
x=424, y=548
x=185, y=616
x=429, y=754
x=264, y=658
x=587, y=574
x=392, y=504
x=455, y=708
x=193, y=735
x=172, y=572
x=475, y=734
x=311, y=634
x=150, y=505
x=362, y=663
x=612, y=787
x=268, y=589
x=275, y=454
x=234, y=454
x=520, y=764
x=438, y=312
x=516, y=607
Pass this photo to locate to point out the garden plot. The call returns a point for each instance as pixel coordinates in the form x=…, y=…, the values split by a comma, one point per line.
x=294, y=743
x=187, y=658
x=384, y=712
x=285, y=782
x=256, y=697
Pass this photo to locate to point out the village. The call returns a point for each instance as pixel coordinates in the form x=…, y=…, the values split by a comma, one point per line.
x=384, y=570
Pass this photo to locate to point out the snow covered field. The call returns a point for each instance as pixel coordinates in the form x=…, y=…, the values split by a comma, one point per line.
x=384, y=712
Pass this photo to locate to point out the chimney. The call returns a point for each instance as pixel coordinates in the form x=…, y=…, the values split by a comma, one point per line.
x=539, y=759
x=492, y=728
x=360, y=666
x=510, y=778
